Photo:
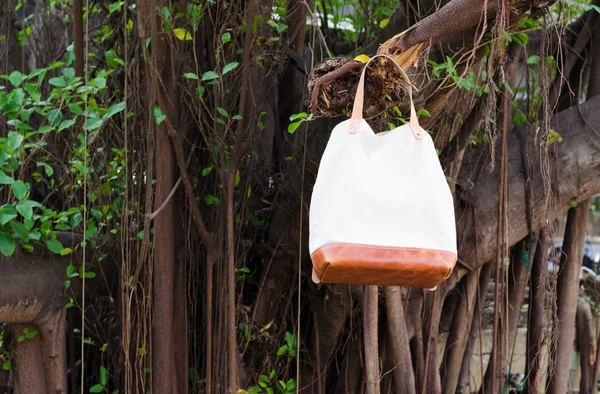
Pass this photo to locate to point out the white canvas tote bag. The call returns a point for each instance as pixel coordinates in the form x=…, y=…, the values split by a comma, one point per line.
x=381, y=211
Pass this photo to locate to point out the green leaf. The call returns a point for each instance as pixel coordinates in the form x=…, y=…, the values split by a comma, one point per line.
x=71, y=271
x=103, y=375
x=533, y=59
x=113, y=110
x=291, y=385
x=112, y=59
x=223, y=112
x=25, y=210
x=115, y=6
x=14, y=140
x=209, y=76
x=254, y=219
x=300, y=115
x=7, y=213
x=54, y=246
x=521, y=38
x=424, y=112
x=66, y=251
x=45, y=129
x=76, y=109
x=282, y=350
x=384, y=23
x=16, y=78
x=293, y=126
x=209, y=199
x=92, y=123
x=237, y=117
x=6, y=366
x=226, y=38
x=97, y=389
x=387, y=11
x=19, y=189
x=229, y=67
x=55, y=117
x=159, y=116
x=100, y=83
x=65, y=124
x=7, y=244
x=5, y=179
x=207, y=170
x=58, y=82
x=20, y=231
x=190, y=76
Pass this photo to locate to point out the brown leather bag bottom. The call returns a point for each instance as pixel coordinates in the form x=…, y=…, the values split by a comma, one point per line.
x=382, y=266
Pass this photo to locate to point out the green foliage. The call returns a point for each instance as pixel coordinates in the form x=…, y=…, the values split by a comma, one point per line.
x=297, y=120
x=289, y=348
x=355, y=20
x=266, y=383
x=36, y=106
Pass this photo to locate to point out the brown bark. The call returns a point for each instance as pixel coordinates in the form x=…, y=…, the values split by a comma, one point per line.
x=164, y=271
x=53, y=330
x=404, y=377
x=29, y=376
x=163, y=68
x=432, y=311
x=476, y=326
x=567, y=293
x=371, y=313
x=594, y=85
x=476, y=210
x=78, y=38
x=585, y=346
x=596, y=367
x=462, y=13
x=351, y=375
x=457, y=338
x=535, y=326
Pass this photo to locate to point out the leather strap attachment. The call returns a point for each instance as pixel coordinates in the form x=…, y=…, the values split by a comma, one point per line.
x=357, y=110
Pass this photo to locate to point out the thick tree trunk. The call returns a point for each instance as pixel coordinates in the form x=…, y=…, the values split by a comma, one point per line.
x=477, y=210
x=567, y=293
x=162, y=91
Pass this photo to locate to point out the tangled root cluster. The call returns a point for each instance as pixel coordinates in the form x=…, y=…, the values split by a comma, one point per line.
x=333, y=83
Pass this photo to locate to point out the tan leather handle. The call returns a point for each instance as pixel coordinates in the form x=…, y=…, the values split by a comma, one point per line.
x=360, y=98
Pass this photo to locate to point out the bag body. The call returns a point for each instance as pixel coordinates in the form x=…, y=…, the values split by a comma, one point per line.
x=381, y=211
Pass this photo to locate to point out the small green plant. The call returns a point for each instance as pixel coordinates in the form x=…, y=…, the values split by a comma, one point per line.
x=297, y=120
x=289, y=347
x=101, y=387
x=27, y=335
x=266, y=382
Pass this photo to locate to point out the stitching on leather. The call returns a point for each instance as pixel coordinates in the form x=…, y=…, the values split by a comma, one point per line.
x=376, y=247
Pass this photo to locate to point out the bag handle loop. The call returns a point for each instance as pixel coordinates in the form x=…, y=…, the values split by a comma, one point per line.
x=360, y=98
